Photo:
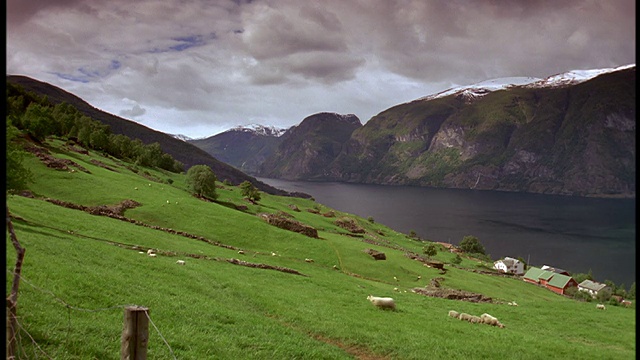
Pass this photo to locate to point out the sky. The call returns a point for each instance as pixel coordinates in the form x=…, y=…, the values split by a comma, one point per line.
x=200, y=67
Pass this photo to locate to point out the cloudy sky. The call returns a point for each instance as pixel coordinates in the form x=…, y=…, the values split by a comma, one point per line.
x=199, y=67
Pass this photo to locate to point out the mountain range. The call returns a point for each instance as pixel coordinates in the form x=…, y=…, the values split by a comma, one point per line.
x=569, y=134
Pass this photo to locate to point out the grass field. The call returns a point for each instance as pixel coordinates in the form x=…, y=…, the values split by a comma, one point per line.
x=80, y=271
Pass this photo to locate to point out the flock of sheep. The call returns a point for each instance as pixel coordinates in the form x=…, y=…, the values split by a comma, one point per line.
x=482, y=319
x=389, y=303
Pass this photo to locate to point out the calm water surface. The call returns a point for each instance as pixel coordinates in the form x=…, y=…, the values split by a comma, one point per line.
x=572, y=233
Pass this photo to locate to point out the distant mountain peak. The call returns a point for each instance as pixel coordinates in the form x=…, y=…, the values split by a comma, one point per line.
x=261, y=130
x=181, y=137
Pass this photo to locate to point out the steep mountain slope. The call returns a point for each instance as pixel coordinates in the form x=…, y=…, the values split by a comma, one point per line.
x=184, y=152
x=306, y=150
x=242, y=147
x=576, y=139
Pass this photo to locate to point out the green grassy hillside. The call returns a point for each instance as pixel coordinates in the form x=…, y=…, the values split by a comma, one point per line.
x=81, y=270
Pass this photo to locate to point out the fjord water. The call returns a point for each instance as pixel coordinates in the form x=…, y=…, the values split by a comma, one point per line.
x=573, y=233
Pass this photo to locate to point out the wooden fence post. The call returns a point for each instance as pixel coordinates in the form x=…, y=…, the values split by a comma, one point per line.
x=135, y=334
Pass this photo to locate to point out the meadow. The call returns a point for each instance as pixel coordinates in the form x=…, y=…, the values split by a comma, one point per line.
x=81, y=270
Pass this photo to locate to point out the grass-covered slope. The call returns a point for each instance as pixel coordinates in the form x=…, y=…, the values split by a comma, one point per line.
x=80, y=271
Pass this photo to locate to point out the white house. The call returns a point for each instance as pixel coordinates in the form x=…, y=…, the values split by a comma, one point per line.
x=592, y=287
x=509, y=265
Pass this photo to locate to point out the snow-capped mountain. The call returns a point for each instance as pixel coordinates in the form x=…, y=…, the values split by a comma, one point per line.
x=181, y=137
x=260, y=130
x=482, y=88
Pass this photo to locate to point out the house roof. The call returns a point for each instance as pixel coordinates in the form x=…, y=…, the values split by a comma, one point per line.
x=592, y=285
x=559, y=280
x=554, y=269
x=533, y=273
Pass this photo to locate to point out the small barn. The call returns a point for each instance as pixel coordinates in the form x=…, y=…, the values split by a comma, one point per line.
x=533, y=275
x=553, y=281
x=559, y=283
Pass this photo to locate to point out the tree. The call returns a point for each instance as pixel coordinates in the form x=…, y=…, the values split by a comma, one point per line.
x=631, y=295
x=201, y=181
x=18, y=176
x=430, y=250
x=470, y=244
x=249, y=191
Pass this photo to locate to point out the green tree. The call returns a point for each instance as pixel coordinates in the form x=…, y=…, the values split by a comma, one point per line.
x=38, y=121
x=430, y=250
x=18, y=176
x=249, y=191
x=603, y=295
x=631, y=295
x=457, y=260
x=202, y=181
x=470, y=244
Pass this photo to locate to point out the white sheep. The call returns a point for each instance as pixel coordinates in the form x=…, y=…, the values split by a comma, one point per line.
x=512, y=303
x=475, y=319
x=150, y=251
x=240, y=252
x=601, y=307
x=308, y=260
x=464, y=316
x=152, y=255
x=382, y=302
x=491, y=320
x=180, y=262
x=454, y=314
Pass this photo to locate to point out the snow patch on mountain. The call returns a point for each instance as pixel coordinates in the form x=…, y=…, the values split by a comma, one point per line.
x=181, y=137
x=261, y=130
x=470, y=92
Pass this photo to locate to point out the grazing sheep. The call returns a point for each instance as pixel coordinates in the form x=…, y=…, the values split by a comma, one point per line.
x=382, y=302
x=513, y=303
x=395, y=278
x=308, y=260
x=464, y=316
x=601, y=307
x=150, y=251
x=240, y=252
x=180, y=262
x=475, y=319
x=152, y=255
x=491, y=320
x=273, y=254
x=454, y=314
